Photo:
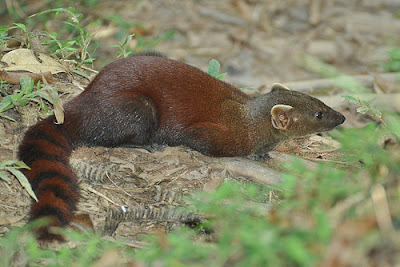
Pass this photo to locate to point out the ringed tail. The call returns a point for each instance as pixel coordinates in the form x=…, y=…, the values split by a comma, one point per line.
x=46, y=149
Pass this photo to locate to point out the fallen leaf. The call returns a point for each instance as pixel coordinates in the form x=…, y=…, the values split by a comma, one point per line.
x=318, y=143
x=24, y=60
x=14, y=77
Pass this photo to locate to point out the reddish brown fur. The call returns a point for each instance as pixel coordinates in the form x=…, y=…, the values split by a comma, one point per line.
x=150, y=101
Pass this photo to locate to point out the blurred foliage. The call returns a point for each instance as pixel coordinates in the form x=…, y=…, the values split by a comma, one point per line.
x=393, y=63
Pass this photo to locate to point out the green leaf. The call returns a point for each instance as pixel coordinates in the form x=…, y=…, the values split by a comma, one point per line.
x=27, y=84
x=5, y=163
x=214, y=67
x=53, y=35
x=323, y=229
x=91, y=60
x=16, y=97
x=57, y=10
x=21, y=164
x=392, y=66
x=44, y=95
x=6, y=103
x=394, y=125
x=21, y=26
x=69, y=44
x=221, y=76
x=6, y=117
x=352, y=99
x=395, y=54
x=81, y=73
x=128, y=38
x=23, y=181
x=364, y=106
x=70, y=24
x=4, y=177
x=295, y=248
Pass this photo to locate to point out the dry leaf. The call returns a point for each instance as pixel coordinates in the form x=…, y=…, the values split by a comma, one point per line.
x=25, y=60
x=14, y=77
x=318, y=143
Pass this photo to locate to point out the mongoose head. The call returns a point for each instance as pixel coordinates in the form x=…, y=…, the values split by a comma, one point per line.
x=297, y=114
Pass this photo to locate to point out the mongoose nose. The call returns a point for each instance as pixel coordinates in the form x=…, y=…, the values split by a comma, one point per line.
x=343, y=118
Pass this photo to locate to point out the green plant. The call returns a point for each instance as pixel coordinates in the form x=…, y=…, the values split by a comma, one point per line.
x=27, y=94
x=394, y=61
x=300, y=230
x=4, y=36
x=76, y=47
x=124, y=51
x=20, y=245
x=366, y=108
x=13, y=166
x=213, y=69
x=243, y=235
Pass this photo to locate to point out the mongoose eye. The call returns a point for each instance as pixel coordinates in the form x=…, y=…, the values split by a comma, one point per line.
x=319, y=115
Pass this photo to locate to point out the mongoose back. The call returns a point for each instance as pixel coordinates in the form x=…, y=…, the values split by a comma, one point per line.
x=150, y=101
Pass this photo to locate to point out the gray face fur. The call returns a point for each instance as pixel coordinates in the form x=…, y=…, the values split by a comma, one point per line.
x=308, y=115
x=283, y=114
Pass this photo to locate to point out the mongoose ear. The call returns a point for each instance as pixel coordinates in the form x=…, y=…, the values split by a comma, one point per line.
x=280, y=116
x=277, y=86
